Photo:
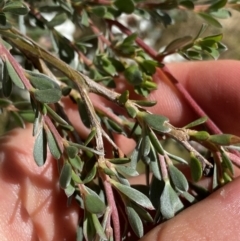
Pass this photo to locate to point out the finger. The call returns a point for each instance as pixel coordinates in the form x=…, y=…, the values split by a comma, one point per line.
x=33, y=206
x=215, y=218
x=215, y=87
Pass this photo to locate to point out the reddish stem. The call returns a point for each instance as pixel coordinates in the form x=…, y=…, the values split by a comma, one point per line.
x=6, y=56
x=112, y=204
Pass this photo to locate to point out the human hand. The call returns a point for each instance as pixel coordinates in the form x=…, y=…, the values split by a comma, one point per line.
x=33, y=207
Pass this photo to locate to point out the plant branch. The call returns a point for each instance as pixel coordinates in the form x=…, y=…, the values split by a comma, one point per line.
x=152, y=53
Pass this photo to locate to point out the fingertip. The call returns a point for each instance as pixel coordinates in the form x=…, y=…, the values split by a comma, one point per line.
x=215, y=218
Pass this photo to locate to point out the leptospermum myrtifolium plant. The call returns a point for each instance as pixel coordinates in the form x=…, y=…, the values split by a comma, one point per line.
x=93, y=63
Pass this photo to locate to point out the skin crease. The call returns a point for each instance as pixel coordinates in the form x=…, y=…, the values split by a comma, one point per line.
x=33, y=207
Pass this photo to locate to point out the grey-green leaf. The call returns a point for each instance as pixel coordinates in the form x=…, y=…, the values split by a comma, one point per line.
x=57, y=20
x=53, y=147
x=72, y=151
x=48, y=96
x=178, y=179
x=16, y=7
x=135, y=157
x=93, y=202
x=209, y=19
x=134, y=195
x=169, y=202
x=156, y=122
x=127, y=171
x=196, y=168
x=40, y=148
x=65, y=175
x=91, y=175
x=135, y=221
x=13, y=75
x=98, y=227
x=41, y=81
x=197, y=122
x=69, y=190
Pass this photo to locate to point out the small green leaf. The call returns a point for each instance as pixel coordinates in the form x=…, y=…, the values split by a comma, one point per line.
x=98, y=227
x=209, y=19
x=215, y=180
x=52, y=144
x=65, y=175
x=89, y=229
x=76, y=162
x=69, y=190
x=91, y=175
x=75, y=177
x=133, y=75
x=196, y=168
x=5, y=103
x=144, y=215
x=90, y=136
x=126, y=6
x=57, y=20
x=15, y=7
x=27, y=115
x=129, y=40
x=169, y=202
x=156, y=143
x=218, y=4
x=119, y=160
x=226, y=177
x=93, y=202
x=134, y=195
x=221, y=13
x=196, y=122
x=154, y=164
x=226, y=162
x=146, y=103
x=40, y=148
x=200, y=135
x=14, y=76
x=178, y=179
x=114, y=126
x=55, y=116
x=18, y=119
x=72, y=151
x=148, y=66
x=135, y=221
x=41, y=81
x=177, y=44
x=156, y=122
x=224, y=139
x=146, y=145
x=131, y=110
x=37, y=122
x=100, y=11
x=127, y=171
x=85, y=19
x=135, y=157
x=48, y=96
x=123, y=98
